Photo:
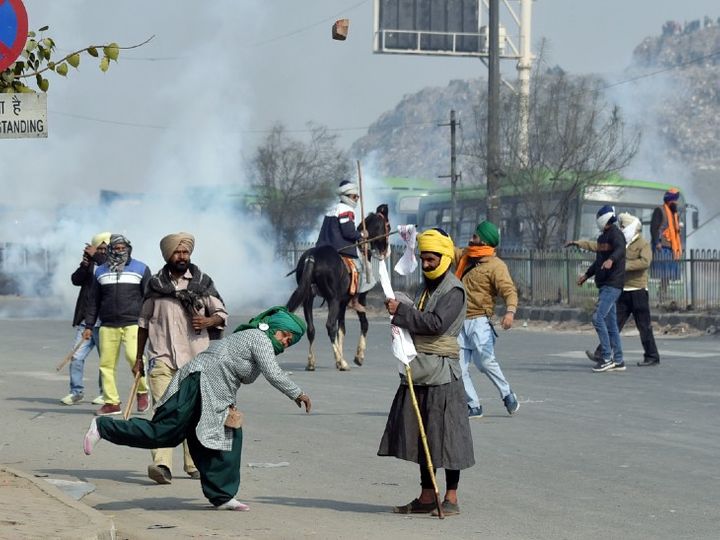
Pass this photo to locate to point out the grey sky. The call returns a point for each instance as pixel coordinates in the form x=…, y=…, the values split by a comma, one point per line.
x=210, y=90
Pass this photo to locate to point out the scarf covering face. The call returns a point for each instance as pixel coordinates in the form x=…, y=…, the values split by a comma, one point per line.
x=604, y=216
x=274, y=319
x=171, y=242
x=630, y=226
x=436, y=242
x=345, y=189
x=117, y=260
x=100, y=238
x=472, y=252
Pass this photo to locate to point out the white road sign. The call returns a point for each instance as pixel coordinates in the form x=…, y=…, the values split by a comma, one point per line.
x=23, y=116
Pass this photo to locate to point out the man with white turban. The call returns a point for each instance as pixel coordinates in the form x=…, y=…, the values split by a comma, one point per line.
x=338, y=230
x=634, y=299
x=181, y=313
x=609, y=272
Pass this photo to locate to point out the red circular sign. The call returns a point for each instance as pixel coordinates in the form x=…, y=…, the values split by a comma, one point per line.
x=13, y=31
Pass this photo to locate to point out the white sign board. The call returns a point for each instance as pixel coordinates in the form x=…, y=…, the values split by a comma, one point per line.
x=23, y=116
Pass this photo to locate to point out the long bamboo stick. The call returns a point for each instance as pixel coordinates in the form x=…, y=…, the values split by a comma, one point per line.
x=428, y=458
x=366, y=264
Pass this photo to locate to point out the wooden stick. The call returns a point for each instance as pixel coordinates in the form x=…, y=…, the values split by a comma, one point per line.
x=366, y=264
x=361, y=242
x=428, y=458
x=131, y=398
x=70, y=355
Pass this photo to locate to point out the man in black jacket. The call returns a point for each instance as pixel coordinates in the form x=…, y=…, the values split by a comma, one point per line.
x=609, y=272
x=83, y=277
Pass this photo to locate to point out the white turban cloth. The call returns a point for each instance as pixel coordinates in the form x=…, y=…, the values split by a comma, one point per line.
x=345, y=190
x=171, y=242
x=630, y=225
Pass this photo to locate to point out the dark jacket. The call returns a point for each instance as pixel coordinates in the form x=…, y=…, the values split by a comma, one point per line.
x=610, y=245
x=83, y=277
x=116, y=297
x=338, y=230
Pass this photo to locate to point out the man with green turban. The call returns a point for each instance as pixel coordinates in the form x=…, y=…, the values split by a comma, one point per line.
x=485, y=277
x=200, y=396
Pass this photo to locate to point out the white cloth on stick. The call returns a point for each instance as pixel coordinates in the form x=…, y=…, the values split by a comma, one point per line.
x=407, y=263
x=402, y=344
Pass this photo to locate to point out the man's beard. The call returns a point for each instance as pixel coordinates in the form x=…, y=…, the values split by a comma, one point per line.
x=180, y=266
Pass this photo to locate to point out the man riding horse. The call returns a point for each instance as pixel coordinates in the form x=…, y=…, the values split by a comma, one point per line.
x=338, y=230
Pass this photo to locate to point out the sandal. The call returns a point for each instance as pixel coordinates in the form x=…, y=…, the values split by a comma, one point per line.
x=448, y=508
x=415, y=507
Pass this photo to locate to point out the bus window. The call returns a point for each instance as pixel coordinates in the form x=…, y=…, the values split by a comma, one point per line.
x=430, y=219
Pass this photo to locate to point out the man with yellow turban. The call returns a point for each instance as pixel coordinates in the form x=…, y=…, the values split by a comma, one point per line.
x=181, y=313
x=200, y=400
x=94, y=254
x=434, y=323
x=485, y=277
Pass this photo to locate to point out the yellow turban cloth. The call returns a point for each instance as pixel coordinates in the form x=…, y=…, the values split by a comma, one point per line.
x=435, y=241
x=100, y=238
x=171, y=242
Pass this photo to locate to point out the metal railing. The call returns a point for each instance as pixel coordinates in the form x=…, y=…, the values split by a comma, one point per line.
x=549, y=277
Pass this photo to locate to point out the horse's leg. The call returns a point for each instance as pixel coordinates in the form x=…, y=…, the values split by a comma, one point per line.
x=333, y=333
x=307, y=309
x=362, y=342
x=341, y=326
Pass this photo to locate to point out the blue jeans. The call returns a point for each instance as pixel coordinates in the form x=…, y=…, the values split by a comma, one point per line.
x=77, y=364
x=477, y=345
x=604, y=320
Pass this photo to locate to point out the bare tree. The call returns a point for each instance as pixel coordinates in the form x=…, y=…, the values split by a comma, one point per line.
x=575, y=139
x=295, y=180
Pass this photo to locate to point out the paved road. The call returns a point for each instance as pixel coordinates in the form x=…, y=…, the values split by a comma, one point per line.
x=615, y=455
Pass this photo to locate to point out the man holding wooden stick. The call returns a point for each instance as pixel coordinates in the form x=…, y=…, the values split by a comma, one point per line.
x=338, y=230
x=434, y=322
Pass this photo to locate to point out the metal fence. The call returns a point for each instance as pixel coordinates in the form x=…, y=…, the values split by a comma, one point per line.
x=549, y=277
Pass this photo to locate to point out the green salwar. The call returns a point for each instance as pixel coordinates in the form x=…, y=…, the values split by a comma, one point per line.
x=171, y=424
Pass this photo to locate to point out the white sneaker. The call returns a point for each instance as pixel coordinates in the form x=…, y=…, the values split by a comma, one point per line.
x=233, y=504
x=98, y=401
x=92, y=437
x=72, y=399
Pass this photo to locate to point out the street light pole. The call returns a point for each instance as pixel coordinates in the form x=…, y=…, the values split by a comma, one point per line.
x=493, y=127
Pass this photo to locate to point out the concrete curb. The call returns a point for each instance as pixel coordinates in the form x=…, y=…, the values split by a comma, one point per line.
x=90, y=524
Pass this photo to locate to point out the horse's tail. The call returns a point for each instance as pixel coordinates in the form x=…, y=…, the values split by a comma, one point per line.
x=304, y=288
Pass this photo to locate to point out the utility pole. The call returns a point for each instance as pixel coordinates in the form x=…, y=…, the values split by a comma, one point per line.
x=493, y=127
x=454, y=177
x=524, y=67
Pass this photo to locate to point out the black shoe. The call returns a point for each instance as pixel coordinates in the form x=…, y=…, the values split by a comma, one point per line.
x=606, y=365
x=647, y=362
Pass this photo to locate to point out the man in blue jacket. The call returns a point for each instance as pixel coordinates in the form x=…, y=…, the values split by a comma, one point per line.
x=609, y=272
x=116, y=298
